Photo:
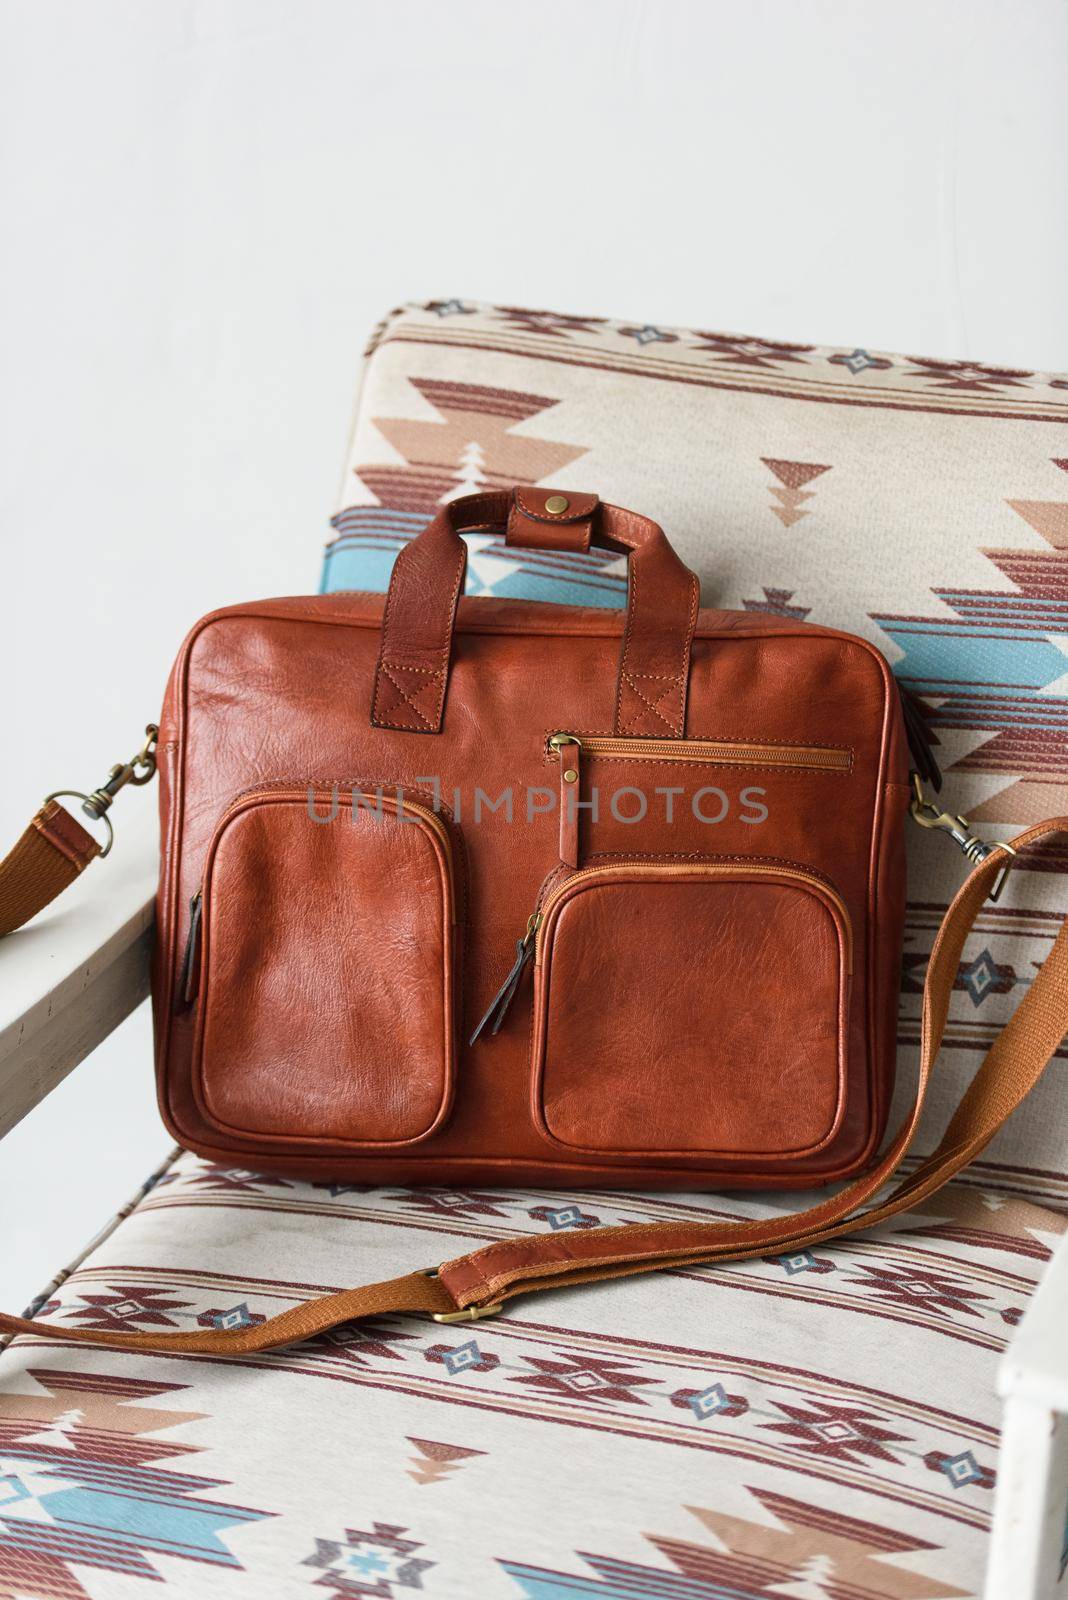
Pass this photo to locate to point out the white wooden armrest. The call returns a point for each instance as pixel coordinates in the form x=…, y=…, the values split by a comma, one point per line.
x=73, y=973
x=1031, y=1501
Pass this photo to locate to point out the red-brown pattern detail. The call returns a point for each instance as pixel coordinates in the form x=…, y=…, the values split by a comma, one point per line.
x=454, y=1204
x=369, y=1564
x=435, y=1460
x=920, y=1288
x=1050, y=519
x=777, y=602
x=102, y=1402
x=795, y=1549
x=739, y=350
x=586, y=1378
x=469, y=446
x=983, y=1221
x=845, y=1554
x=790, y=491
x=360, y=1344
x=123, y=1306
x=1021, y=716
x=844, y=1433
x=556, y=324
x=971, y=376
x=232, y=1180
x=755, y=366
x=85, y=1489
x=794, y=474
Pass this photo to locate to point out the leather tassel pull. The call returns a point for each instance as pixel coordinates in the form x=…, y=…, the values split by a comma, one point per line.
x=498, y=1007
x=188, y=981
x=568, y=747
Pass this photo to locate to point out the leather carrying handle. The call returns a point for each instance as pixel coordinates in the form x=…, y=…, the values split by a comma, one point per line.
x=477, y=1285
x=412, y=673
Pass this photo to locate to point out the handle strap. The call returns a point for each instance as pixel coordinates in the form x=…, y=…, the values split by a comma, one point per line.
x=479, y=1284
x=412, y=672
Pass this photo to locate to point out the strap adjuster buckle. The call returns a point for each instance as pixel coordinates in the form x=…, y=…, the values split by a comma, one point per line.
x=471, y=1314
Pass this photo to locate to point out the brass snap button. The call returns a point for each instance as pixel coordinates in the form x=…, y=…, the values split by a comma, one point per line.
x=556, y=504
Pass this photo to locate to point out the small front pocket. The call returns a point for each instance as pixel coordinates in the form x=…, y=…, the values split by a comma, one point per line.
x=691, y=1008
x=326, y=969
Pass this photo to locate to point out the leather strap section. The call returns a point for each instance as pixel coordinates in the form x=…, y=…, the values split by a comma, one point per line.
x=418, y=1291
x=46, y=857
x=546, y=519
x=412, y=673
x=498, y=1272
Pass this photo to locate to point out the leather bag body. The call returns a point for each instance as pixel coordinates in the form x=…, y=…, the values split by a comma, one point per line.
x=679, y=830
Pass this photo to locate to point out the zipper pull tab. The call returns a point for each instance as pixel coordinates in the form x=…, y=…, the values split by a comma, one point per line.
x=498, y=1007
x=188, y=980
x=567, y=747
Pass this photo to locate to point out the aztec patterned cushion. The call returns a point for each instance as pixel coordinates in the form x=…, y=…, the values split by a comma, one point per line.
x=820, y=1426
x=920, y=503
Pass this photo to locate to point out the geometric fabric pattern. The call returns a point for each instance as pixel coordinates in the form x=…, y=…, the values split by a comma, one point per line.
x=922, y=504
x=819, y=1425
x=754, y=1441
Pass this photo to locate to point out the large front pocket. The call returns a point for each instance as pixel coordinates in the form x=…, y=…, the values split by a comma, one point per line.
x=691, y=1008
x=326, y=1008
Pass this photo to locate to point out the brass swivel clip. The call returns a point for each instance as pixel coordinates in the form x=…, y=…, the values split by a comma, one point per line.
x=141, y=768
x=924, y=811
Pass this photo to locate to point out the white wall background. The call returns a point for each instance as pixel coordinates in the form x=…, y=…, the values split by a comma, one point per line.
x=205, y=204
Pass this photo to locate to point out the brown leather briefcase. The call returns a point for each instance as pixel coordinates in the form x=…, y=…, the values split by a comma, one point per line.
x=481, y=891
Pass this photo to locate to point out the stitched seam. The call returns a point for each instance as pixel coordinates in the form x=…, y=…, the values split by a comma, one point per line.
x=538, y=515
x=406, y=698
x=650, y=705
x=433, y=802
x=676, y=681
x=59, y=844
x=395, y=579
x=57, y=830
x=632, y=606
x=687, y=648
x=382, y=713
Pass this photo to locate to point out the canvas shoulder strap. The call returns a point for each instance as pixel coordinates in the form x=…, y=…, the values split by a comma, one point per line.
x=54, y=849
x=479, y=1284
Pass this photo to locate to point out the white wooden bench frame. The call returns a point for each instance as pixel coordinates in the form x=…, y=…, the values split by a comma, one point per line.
x=80, y=968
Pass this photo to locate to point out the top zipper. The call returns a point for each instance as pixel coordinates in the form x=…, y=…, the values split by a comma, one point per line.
x=720, y=752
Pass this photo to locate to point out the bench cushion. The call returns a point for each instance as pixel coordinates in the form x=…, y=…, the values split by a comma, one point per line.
x=823, y=1419
x=920, y=503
